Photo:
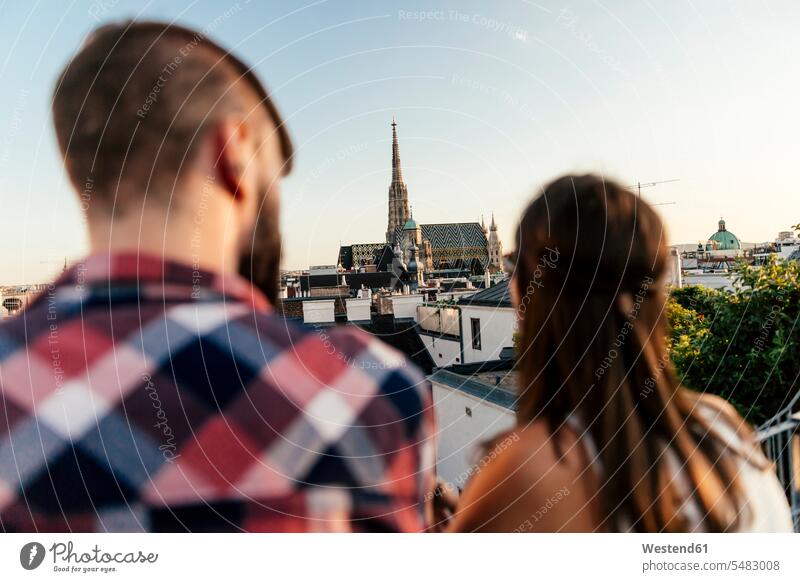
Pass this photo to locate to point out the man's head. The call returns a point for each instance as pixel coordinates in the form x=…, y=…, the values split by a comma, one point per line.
x=152, y=117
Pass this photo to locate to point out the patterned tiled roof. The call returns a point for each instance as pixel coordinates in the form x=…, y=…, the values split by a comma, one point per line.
x=351, y=256
x=456, y=243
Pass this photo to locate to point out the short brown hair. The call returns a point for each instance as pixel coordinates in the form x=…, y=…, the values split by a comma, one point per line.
x=131, y=104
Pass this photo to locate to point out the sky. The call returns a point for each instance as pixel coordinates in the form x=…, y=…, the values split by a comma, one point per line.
x=492, y=101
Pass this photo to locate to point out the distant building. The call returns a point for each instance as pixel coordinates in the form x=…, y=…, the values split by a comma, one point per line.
x=14, y=298
x=463, y=343
x=716, y=256
x=475, y=385
x=472, y=405
x=399, y=210
x=495, y=247
x=478, y=327
x=723, y=240
x=443, y=246
x=786, y=246
x=711, y=263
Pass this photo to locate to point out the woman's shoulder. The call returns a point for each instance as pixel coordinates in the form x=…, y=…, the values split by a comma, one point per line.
x=537, y=452
x=525, y=473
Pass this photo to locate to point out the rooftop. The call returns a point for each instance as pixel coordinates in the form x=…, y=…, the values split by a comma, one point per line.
x=494, y=296
x=500, y=394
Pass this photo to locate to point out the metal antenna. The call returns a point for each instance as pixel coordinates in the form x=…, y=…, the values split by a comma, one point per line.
x=640, y=185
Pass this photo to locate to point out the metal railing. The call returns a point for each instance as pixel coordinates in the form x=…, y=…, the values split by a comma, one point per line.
x=780, y=437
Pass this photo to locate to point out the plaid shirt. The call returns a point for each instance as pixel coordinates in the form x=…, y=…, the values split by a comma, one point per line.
x=142, y=395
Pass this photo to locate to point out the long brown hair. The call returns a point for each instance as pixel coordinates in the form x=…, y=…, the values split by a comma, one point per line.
x=589, y=271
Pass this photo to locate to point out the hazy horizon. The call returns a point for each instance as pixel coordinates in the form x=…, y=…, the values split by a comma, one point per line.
x=491, y=103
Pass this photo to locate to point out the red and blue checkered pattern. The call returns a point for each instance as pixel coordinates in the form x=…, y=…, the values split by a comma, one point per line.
x=143, y=395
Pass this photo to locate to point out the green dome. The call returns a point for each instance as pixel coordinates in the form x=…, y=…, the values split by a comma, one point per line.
x=726, y=240
x=410, y=224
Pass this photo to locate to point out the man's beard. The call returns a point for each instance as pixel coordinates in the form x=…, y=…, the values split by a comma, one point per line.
x=261, y=260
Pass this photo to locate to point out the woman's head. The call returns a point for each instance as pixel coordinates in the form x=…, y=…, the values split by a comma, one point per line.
x=589, y=284
x=607, y=240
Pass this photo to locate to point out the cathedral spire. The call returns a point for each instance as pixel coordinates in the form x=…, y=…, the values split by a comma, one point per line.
x=397, y=171
x=398, y=192
x=495, y=247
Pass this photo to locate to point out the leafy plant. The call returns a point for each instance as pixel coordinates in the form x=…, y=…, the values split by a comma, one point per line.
x=697, y=298
x=743, y=344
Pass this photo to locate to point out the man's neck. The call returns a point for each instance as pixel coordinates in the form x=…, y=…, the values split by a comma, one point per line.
x=202, y=246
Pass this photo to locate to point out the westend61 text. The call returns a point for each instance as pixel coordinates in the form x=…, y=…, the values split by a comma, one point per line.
x=675, y=549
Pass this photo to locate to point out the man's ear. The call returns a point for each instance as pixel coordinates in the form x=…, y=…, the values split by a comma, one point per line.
x=230, y=152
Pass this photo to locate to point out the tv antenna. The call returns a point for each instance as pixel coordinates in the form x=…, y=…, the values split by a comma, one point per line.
x=640, y=185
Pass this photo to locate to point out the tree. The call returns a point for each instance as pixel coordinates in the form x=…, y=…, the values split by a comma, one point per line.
x=743, y=344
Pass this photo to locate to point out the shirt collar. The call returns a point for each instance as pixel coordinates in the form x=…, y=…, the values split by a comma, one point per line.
x=157, y=276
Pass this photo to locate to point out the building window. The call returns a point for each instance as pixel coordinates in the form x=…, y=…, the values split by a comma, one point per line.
x=475, y=325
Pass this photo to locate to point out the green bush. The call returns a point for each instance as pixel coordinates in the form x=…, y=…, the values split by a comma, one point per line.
x=743, y=345
x=697, y=298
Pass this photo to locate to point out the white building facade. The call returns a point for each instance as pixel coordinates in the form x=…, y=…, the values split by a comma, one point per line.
x=476, y=328
x=469, y=413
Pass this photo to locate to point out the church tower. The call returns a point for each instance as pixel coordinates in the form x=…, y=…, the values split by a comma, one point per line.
x=398, y=192
x=495, y=246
